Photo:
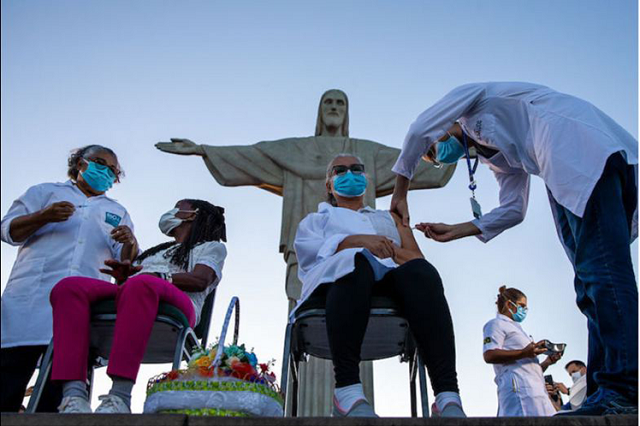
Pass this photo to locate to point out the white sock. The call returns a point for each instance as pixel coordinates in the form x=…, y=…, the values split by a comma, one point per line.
x=445, y=398
x=347, y=396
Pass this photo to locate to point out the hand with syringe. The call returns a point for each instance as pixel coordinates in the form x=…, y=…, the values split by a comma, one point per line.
x=443, y=232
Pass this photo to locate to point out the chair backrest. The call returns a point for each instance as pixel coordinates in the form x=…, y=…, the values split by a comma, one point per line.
x=387, y=332
x=202, y=329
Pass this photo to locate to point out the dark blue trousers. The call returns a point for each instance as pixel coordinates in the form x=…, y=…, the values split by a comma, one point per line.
x=607, y=294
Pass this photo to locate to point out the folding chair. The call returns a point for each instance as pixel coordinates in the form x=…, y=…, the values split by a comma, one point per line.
x=172, y=340
x=387, y=335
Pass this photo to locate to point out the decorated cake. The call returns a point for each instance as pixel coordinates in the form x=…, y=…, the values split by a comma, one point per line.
x=239, y=386
x=220, y=381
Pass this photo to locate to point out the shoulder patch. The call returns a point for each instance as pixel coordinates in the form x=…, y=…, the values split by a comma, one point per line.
x=112, y=219
x=487, y=340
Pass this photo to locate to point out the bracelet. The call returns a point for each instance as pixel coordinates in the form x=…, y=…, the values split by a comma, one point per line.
x=167, y=276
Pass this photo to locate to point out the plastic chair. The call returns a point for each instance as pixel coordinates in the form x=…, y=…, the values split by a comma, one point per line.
x=387, y=335
x=172, y=340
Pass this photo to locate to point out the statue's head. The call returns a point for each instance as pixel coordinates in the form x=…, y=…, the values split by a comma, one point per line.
x=333, y=114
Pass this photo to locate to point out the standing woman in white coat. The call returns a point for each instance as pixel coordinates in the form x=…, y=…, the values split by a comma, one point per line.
x=63, y=229
x=514, y=355
x=589, y=166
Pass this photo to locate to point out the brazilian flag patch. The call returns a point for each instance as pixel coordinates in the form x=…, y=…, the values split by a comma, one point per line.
x=487, y=340
x=112, y=219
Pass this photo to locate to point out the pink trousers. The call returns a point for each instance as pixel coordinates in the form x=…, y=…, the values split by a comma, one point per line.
x=137, y=303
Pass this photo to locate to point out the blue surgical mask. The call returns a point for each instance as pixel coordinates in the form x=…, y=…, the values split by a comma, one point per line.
x=98, y=177
x=350, y=184
x=449, y=151
x=520, y=314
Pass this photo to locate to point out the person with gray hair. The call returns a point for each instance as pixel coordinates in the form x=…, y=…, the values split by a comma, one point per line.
x=349, y=252
x=62, y=230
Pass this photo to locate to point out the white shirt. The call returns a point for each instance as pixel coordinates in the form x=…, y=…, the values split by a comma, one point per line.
x=538, y=131
x=578, y=392
x=75, y=247
x=210, y=253
x=319, y=235
x=521, y=387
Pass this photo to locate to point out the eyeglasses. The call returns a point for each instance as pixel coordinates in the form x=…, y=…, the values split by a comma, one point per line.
x=355, y=168
x=100, y=161
x=524, y=308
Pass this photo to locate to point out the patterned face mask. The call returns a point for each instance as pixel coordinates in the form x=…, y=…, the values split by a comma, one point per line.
x=169, y=221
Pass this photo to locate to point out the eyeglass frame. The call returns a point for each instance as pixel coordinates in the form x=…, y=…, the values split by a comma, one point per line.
x=357, y=166
x=102, y=162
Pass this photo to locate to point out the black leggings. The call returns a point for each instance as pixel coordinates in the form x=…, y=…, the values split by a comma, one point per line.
x=417, y=288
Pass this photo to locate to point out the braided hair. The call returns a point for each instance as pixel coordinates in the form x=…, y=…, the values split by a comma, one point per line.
x=207, y=226
x=508, y=295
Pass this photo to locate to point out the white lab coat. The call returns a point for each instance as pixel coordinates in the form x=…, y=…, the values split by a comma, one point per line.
x=319, y=235
x=578, y=393
x=538, y=131
x=521, y=388
x=75, y=247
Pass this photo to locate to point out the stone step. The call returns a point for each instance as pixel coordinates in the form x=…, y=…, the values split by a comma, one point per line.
x=183, y=420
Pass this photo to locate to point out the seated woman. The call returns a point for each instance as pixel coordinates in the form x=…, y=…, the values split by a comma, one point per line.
x=180, y=272
x=346, y=253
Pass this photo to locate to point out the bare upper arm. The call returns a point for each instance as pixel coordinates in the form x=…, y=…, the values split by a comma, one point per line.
x=204, y=273
x=406, y=235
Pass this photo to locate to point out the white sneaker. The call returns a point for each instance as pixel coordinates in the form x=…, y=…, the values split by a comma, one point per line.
x=112, y=404
x=74, y=404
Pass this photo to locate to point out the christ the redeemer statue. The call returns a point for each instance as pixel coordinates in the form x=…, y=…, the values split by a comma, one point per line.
x=295, y=169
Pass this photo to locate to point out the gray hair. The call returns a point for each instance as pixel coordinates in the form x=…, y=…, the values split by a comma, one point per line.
x=341, y=155
x=84, y=152
x=330, y=198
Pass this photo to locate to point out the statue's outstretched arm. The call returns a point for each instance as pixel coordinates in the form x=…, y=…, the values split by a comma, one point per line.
x=233, y=165
x=181, y=147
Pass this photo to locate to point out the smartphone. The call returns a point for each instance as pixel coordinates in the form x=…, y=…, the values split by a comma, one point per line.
x=549, y=379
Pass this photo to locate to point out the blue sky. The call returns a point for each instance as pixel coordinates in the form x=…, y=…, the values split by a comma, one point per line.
x=128, y=74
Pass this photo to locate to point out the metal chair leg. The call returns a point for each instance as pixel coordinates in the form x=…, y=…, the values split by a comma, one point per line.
x=412, y=386
x=284, y=377
x=190, y=345
x=41, y=381
x=423, y=387
x=90, y=372
x=177, y=355
x=294, y=387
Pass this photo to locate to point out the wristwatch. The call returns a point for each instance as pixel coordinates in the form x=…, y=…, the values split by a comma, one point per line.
x=167, y=276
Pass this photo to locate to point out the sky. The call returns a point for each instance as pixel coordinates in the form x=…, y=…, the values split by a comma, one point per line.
x=129, y=74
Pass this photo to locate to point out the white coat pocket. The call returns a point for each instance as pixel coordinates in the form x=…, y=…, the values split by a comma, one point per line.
x=24, y=279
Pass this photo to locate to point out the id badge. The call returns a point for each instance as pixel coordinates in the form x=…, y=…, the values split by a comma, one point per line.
x=475, y=208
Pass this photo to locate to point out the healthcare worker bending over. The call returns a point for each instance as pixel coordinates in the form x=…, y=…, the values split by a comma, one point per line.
x=589, y=165
x=513, y=353
x=62, y=229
